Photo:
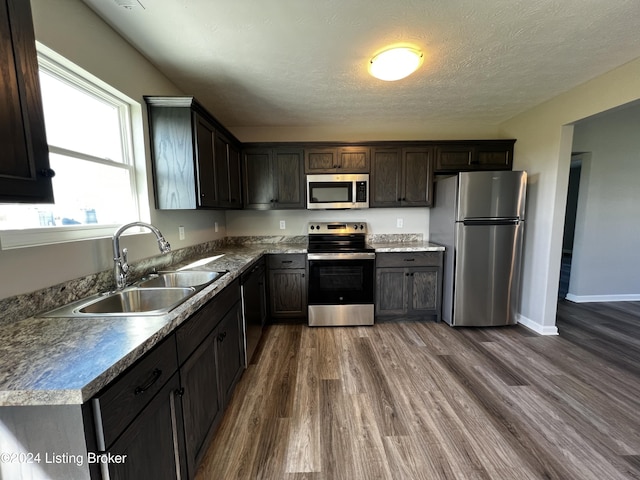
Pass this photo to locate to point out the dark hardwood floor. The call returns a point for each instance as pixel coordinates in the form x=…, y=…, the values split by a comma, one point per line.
x=412, y=400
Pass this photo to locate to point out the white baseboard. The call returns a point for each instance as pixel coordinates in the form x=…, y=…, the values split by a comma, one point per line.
x=536, y=327
x=633, y=297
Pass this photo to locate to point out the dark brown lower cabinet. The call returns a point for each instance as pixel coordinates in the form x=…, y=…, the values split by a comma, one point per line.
x=287, y=286
x=408, y=284
x=209, y=370
x=202, y=406
x=152, y=446
x=230, y=351
x=163, y=411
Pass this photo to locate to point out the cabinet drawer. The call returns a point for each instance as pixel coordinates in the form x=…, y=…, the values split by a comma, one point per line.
x=195, y=330
x=121, y=402
x=288, y=260
x=409, y=259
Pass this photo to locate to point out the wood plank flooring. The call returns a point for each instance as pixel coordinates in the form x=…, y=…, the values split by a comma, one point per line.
x=411, y=400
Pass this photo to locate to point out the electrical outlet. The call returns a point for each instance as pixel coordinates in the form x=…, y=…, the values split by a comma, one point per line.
x=400, y=222
x=181, y=232
x=283, y=225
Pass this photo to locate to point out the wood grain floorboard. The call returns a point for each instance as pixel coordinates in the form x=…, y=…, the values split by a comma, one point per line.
x=421, y=400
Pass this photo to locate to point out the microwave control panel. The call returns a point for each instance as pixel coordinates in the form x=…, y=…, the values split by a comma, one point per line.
x=361, y=192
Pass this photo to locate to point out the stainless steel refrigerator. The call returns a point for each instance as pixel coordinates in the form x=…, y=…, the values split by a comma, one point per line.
x=479, y=218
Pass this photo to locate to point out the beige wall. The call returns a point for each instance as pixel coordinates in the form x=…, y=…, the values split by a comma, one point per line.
x=543, y=148
x=379, y=220
x=71, y=29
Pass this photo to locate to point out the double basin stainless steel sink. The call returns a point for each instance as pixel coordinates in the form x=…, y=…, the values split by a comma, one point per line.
x=156, y=295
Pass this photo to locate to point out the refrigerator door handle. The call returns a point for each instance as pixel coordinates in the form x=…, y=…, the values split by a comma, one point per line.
x=490, y=221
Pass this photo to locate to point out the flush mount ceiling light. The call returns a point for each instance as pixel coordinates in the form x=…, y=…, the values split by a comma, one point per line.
x=395, y=63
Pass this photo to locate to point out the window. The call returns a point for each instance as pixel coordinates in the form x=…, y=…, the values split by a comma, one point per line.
x=89, y=136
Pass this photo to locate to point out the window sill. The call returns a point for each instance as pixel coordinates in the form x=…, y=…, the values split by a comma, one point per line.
x=34, y=237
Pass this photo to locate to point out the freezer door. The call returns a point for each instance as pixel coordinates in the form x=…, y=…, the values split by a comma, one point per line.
x=487, y=274
x=491, y=195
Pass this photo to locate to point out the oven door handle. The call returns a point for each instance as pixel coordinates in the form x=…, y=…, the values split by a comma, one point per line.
x=342, y=256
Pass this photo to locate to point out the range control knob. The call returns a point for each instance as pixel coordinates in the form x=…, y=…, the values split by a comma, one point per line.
x=317, y=227
x=355, y=227
x=312, y=227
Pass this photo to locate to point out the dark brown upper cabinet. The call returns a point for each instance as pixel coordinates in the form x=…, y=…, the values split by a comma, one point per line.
x=479, y=155
x=196, y=162
x=402, y=177
x=25, y=174
x=227, y=172
x=347, y=159
x=273, y=178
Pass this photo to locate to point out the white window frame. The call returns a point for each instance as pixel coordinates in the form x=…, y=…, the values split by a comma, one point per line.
x=77, y=77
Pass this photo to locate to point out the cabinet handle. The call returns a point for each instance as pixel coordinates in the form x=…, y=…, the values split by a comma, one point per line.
x=47, y=173
x=155, y=375
x=409, y=259
x=303, y=275
x=179, y=392
x=287, y=261
x=222, y=336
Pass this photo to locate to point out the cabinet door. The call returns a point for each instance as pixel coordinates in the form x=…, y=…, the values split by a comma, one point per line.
x=235, y=177
x=288, y=293
x=423, y=290
x=201, y=403
x=391, y=286
x=222, y=170
x=289, y=178
x=354, y=159
x=153, y=443
x=320, y=160
x=255, y=308
x=417, y=177
x=385, y=178
x=25, y=175
x=230, y=351
x=454, y=157
x=227, y=172
x=205, y=158
x=258, y=180
x=494, y=156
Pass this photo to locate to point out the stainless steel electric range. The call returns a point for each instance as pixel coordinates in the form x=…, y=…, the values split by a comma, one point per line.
x=341, y=274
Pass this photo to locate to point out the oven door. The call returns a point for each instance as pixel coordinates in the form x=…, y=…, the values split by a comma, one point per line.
x=341, y=278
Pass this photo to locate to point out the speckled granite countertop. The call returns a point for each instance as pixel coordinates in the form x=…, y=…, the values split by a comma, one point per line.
x=58, y=361
x=417, y=246
x=63, y=361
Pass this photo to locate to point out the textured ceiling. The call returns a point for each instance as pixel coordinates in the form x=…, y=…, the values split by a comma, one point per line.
x=273, y=63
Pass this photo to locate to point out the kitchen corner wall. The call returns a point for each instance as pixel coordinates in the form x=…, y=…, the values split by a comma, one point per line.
x=379, y=220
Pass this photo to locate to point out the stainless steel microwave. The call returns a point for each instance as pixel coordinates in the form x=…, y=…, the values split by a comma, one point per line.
x=338, y=191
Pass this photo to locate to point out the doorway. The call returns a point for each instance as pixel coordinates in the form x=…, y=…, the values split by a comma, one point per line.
x=570, y=223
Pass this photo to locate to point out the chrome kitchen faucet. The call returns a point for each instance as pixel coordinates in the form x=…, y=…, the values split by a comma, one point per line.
x=121, y=267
